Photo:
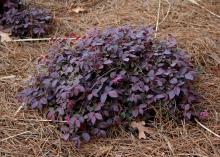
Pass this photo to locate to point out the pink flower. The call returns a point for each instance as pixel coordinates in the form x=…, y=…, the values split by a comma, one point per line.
x=68, y=120
x=204, y=114
x=116, y=80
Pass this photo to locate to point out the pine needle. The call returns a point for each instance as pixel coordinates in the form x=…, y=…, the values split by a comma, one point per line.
x=203, y=126
x=196, y=2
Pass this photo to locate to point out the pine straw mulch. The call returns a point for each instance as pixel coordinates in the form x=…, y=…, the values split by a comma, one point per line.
x=197, y=31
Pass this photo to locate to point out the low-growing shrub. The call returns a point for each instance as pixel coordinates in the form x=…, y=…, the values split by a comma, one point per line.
x=111, y=76
x=26, y=22
x=6, y=5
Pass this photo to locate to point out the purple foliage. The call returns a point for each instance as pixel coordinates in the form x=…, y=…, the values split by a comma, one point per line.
x=6, y=5
x=109, y=76
x=25, y=22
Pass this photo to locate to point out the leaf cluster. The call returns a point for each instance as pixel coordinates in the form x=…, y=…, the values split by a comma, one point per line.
x=111, y=76
x=24, y=21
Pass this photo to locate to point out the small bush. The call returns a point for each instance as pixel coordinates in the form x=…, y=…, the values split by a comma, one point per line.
x=6, y=5
x=26, y=22
x=108, y=77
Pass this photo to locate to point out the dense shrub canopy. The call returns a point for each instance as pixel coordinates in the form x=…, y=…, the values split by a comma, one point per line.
x=108, y=77
x=25, y=22
x=6, y=5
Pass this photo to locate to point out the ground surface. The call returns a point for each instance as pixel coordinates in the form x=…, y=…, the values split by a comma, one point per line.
x=196, y=30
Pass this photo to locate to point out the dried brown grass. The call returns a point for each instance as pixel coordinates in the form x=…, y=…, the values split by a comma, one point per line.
x=196, y=30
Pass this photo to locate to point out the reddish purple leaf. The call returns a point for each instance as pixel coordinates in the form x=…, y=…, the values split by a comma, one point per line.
x=204, y=114
x=135, y=112
x=90, y=96
x=108, y=61
x=177, y=91
x=68, y=120
x=103, y=97
x=113, y=94
x=189, y=115
x=171, y=94
x=189, y=76
x=160, y=96
x=146, y=88
x=98, y=116
x=126, y=59
x=86, y=136
x=93, y=119
x=77, y=122
x=187, y=107
x=115, y=108
x=34, y=104
x=65, y=137
x=173, y=81
x=61, y=111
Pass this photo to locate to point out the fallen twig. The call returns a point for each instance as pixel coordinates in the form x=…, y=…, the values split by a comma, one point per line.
x=14, y=136
x=168, y=11
x=158, y=17
x=35, y=39
x=34, y=120
x=8, y=77
x=168, y=143
x=20, y=107
x=196, y=3
x=203, y=126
